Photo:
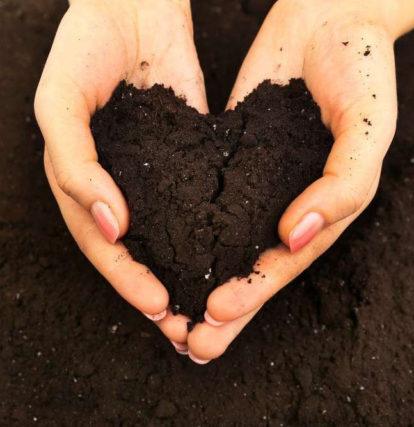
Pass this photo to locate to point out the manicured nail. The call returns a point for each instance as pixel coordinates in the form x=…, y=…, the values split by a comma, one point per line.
x=309, y=226
x=211, y=321
x=156, y=317
x=197, y=360
x=106, y=221
x=180, y=348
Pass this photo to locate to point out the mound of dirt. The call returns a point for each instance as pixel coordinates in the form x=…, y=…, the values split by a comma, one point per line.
x=206, y=192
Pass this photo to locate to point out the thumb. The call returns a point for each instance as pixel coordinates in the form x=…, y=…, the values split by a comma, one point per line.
x=350, y=173
x=63, y=117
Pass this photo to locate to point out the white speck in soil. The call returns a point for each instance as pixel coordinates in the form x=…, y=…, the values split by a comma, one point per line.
x=146, y=164
x=113, y=329
x=348, y=399
x=225, y=153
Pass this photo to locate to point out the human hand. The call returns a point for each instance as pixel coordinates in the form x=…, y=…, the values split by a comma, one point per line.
x=344, y=52
x=98, y=44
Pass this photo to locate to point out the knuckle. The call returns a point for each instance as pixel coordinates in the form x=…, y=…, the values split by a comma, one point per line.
x=66, y=181
x=354, y=198
x=351, y=196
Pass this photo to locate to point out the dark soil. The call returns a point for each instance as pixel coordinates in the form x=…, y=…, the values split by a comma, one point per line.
x=336, y=347
x=206, y=193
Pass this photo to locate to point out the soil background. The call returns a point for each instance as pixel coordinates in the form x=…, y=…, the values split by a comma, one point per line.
x=333, y=348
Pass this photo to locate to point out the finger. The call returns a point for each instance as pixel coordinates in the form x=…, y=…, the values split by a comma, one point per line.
x=359, y=103
x=206, y=342
x=277, y=53
x=133, y=281
x=274, y=270
x=174, y=327
x=82, y=70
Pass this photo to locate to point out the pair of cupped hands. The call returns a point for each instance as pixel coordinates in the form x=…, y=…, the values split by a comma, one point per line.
x=343, y=49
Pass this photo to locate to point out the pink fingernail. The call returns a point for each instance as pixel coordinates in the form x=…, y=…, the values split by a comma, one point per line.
x=156, y=317
x=211, y=321
x=106, y=221
x=180, y=348
x=197, y=360
x=309, y=226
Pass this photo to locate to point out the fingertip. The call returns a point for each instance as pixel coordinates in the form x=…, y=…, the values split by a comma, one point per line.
x=205, y=342
x=197, y=360
x=156, y=317
x=174, y=327
x=305, y=231
x=157, y=301
x=210, y=320
x=216, y=313
x=226, y=303
x=180, y=348
x=109, y=193
x=142, y=289
x=106, y=221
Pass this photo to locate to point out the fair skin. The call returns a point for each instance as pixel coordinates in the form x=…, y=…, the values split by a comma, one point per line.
x=343, y=49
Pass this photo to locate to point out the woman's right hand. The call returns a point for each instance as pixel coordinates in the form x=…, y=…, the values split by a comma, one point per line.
x=98, y=44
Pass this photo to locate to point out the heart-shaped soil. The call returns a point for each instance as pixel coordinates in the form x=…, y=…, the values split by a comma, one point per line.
x=206, y=192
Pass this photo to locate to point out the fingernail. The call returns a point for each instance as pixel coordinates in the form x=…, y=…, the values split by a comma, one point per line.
x=180, y=348
x=197, y=360
x=309, y=226
x=106, y=221
x=156, y=317
x=211, y=321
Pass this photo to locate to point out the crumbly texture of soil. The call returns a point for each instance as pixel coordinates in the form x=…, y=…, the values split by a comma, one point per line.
x=206, y=193
x=334, y=348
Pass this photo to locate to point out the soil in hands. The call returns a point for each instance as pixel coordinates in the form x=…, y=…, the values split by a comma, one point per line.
x=206, y=192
